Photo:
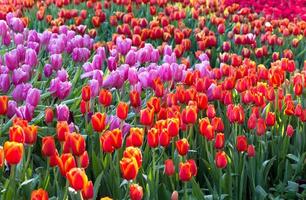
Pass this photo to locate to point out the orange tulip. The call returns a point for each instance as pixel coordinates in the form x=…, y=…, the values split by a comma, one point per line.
x=77, y=178
x=39, y=194
x=48, y=146
x=122, y=110
x=187, y=170
x=62, y=130
x=3, y=105
x=1, y=157
x=219, y=141
x=135, y=152
x=146, y=116
x=202, y=101
x=129, y=168
x=86, y=93
x=65, y=163
x=136, y=192
x=135, y=99
x=16, y=134
x=77, y=144
x=98, y=121
x=116, y=138
x=106, y=142
x=136, y=135
x=49, y=115
x=164, y=138
x=154, y=104
x=105, y=97
x=30, y=134
x=88, y=190
x=206, y=129
x=13, y=152
x=182, y=146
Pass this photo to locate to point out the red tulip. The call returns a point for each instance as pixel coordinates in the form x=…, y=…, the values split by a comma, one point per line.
x=49, y=115
x=289, y=130
x=62, y=130
x=152, y=137
x=169, y=167
x=241, y=143
x=251, y=150
x=146, y=116
x=136, y=192
x=182, y=146
x=3, y=105
x=77, y=144
x=39, y=194
x=221, y=159
x=88, y=190
x=98, y=121
x=219, y=141
x=30, y=134
x=270, y=119
x=122, y=110
x=16, y=134
x=77, y=178
x=86, y=93
x=48, y=146
x=105, y=97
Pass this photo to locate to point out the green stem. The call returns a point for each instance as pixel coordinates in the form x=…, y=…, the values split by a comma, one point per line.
x=185, y=191
x=28, y=161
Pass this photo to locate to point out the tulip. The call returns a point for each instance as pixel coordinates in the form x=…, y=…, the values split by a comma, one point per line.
x=202, y=101
x=30, y=134
x=129, y=168
x=182, y=146
x=164, y=138
x=62, y=112
x=136, y=135
x=211, y=112
x=48, y=146
x=221, y=159
x=39, y=194
x=86, y=93
x=261, y=127
x=270, y=119
x=173, y=126
x=106, y=142
x=77, y=144
x=88, y=191
x=219, y=141
x=251, y=150
x=187, y=170
x=62, y=130
x=98, y=121
x=84, y=160
x=152, y=137
x=136, y=192
x=190, y=114
x=31, y=57
x=134, y=152
x=77, y=178
x=122, y=110
x=1, y=157
x=3, y=105
x=135, y=99
x=16, y=134
x=65, y=163
x=241, y=143
x=13, y=152
x=56, y=61
x=289, y=130
x=105, y=98
x=49, y=115
x=146, y=116
x=206, y=129
x=169, y=167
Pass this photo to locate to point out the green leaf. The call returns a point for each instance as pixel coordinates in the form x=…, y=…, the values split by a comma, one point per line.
x=97, y=185
x=293, y=186
x=196, y=190
x=293, y=157
x=261, y=192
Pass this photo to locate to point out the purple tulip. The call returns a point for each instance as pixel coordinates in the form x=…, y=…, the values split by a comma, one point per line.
x=20, y=91
x=177, y=71
x=3, y=28
x=33, y=36
x=25, y=112
x=45, y=37
x=80, y=54
x=6, y=39
x=11, y=109
x=11, y=59
x=165, y=72
x=155, y=56
x=21, y=51
x=94, y=87
x=56, y=61
x=18, y=38
x=123, y=45
x=16, y=24
x=47, y=70
x=143, y=55
x=98, y=75
x=33, y=97
x=101, y=52
x=87, y=67
x=62, y=75
x=34, y=46
x=131, y=58
x=112, y=63
x=4, y=83
x=62, y=112
x=60, y=89
x=97, y=62
x=167, y=50
x=19, y=76
x=143, y=78
x=203, y=57
x=203, y=68
x=30, y=57
x=132, y=76
x=170, y=58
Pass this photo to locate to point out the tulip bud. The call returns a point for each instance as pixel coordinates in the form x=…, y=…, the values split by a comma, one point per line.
x=241, y=143
x=39, y=194
x=169, y=167
x=136, y=192
x=182, y=146
x=251, y=150
x=289, y=130
x=48, y=146
x=49, y=115
x=221, y=159
x=77, y=178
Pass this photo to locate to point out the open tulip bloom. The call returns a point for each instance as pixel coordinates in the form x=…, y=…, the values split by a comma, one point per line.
x=152, y=99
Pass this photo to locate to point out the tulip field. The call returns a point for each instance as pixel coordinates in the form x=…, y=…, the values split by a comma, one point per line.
x=152, y=99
